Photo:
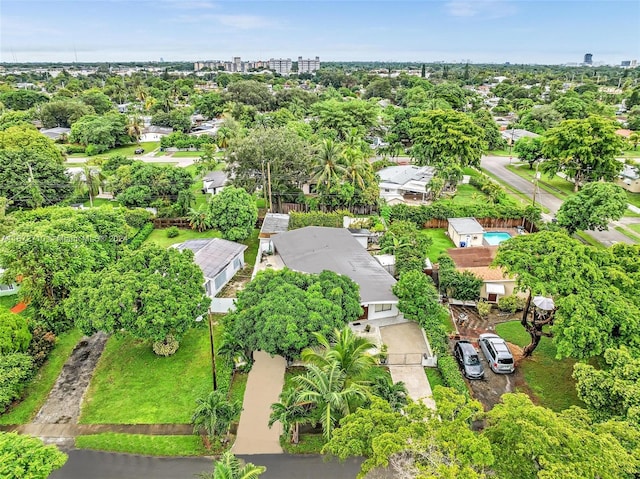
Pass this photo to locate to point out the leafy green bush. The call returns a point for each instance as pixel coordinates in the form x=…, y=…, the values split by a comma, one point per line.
x=167, y=347
x=511, y=304
x=464, y=285
x=484, y=309
x=42, y=343
x=27, y=457
x=142, y=235
x=317, y=218
x=14, y=333
x=73, y=148
x=15, y=370
x=451, y=373
x=92, y=150
x=445, y=209
x=137, y=217
x=173, y=232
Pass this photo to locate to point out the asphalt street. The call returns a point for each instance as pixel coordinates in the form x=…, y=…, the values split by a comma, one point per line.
x=84, y=464
x=496, y=165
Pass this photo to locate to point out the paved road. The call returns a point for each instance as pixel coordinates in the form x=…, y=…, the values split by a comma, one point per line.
x=104, y=465
x=497, y=166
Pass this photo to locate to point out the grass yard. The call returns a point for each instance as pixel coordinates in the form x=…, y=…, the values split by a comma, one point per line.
x=97, y=202
x=38, y=388
x=308, y=444
x=466, y=194
x=635, y=227
x=588, y=239
x=8, y=302
x=549, y=378
x=512, y=192
x=441, y=242
x=628, y=233
x=128, y=150
x=252, y=242
x=143, y=444
x=504, y=152
x=238, y=387
x=633, y=198
x=557, y=186
x=131, y=385
x=186, y=154
x=159, y=236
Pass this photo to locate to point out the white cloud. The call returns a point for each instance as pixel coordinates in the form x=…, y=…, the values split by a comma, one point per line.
x=239, y=22
x=482, y=8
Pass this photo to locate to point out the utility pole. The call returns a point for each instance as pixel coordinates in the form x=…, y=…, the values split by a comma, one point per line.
x=213, y=354
x=269, y=182
x=535, y=189
x=264, y=184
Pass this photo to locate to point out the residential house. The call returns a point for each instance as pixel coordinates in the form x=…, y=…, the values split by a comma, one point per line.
x=6, y=288
x=154, y=133
x=314, y=249
x=495, y=283
x=465, y=232
x=512, y=135
x=218, y=259
x=629, y=178
x=56, y=134
x=406, y=183
x=272, y=224
x=214, y=182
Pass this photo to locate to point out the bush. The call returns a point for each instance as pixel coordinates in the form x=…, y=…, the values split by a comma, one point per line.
x=173, y=232
x=42, y=343
x=92, y=150
x=73, y=148
x=484, y=309
x=137, y=217
x=15, y=370
x=141, y=236
x=14, y=333
x=451, y=374
x=511, y=304
x=167, y=347
x=317, y=218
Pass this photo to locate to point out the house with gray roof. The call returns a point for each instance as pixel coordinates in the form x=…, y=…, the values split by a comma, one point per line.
x=465, y=232
x=56, y=134
x=214, y=182
x=314, y=249
x=512, y=135
x=402, y=183
x=218, y=259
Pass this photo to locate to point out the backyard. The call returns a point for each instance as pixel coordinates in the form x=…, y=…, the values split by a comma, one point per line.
x=440, y=242
x=128, y=150
x=547, y=377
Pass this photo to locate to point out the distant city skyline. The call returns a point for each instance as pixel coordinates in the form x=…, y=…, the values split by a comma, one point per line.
x=482, y=31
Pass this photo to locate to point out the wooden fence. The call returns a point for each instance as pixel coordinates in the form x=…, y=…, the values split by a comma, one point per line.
x=168, y=222
x=492, y=223
x=303, y=208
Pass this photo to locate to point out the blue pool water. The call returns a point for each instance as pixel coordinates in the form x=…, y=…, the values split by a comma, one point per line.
x=494, y=238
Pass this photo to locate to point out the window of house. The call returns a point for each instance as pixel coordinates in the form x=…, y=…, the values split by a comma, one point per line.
x=237, y=264
x=7, y=287
x=220, y=280
x=382, y=307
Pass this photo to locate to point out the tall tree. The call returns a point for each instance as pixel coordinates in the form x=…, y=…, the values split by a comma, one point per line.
x=585, y=150
x=213, y=416
x=328, y=165
x=88, y=181
x=592, y=208
x=529, y=149
x=234, y=213
x=443, y=137
x=152, y=293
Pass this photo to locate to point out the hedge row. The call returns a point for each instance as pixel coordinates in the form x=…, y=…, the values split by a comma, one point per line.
x=317, y=218
x=443, y=209
x=15, y=370
x=141, y=236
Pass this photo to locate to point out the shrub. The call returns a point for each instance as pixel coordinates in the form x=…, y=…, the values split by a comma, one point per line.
x=142, y=235
x=92, y=150
x=42, y=343
x=317, y=218
x=511, y=304
x=167, y=347
x=15, y=370
x=14, y=333
x=137, y=217
x=483, y=308
x=173, y=232
x=451, y=374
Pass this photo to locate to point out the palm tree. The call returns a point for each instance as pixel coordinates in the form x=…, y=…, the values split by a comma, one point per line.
x=326, y=389
x=213, y=416
x=394, y=393
x=230, y=467
x=135, y=126
x=88, y=181
x=200, y=219
x=328, y=164
x=357, y=168
x=290, y=412
x=349, y=351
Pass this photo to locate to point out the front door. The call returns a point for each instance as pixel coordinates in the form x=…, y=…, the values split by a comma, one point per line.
x=493, y=298
x=365, y=313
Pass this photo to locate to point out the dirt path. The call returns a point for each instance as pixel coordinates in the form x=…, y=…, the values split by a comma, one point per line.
x=264, y=386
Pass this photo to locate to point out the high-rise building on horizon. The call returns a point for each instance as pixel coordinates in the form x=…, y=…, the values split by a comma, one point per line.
x=588, y=58
x=280, y=65
x=308, y=65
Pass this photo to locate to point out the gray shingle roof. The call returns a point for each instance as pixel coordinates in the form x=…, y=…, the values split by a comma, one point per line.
x=401, y=175
x=215, y=178
x=274, y=223
x=212, y=255
x=314, y=249
x=466, y=226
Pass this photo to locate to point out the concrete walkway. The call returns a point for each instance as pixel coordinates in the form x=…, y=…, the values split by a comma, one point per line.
x=264, y=386
x=415, y=379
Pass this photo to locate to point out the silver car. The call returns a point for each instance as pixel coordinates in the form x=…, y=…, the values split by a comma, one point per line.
x=497, y=352
x=467, y=358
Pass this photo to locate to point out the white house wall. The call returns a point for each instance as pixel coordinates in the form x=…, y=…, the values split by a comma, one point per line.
x=382, y=314
x=228, y=273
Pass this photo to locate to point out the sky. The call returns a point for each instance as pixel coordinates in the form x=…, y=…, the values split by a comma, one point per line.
x=481, y=31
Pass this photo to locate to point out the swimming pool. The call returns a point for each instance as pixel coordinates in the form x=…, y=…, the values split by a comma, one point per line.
x=494, y=238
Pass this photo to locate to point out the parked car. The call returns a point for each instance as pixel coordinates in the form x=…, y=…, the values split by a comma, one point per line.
x=467, y=357
x=497, y=352
x=139, y=151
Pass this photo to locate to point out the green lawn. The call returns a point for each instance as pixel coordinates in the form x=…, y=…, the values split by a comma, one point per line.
x=308, y=444
x=549, y=378
x=8, y=302
x=143, y=444
x=159, y=236
x=466, y=194
x=38, y=389
x=588, y=239
x=238, y=387
x=101, y=202
x=514, y=193
x=557, y=186
x=441, y=242
x=252, y=242
x=628, y=233
x=504, y=152
x=633, y=198
x=186, y=154
x=131, y=385
x=635, y=227
x=128, y=150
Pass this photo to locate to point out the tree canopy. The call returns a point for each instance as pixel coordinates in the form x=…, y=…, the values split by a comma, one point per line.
x=279, y=311
x=25, y=457
x=592, y=208
x=151, y=293
x=234, y=212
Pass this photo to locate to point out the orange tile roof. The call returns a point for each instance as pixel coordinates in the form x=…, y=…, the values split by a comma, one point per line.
x=488, y=274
